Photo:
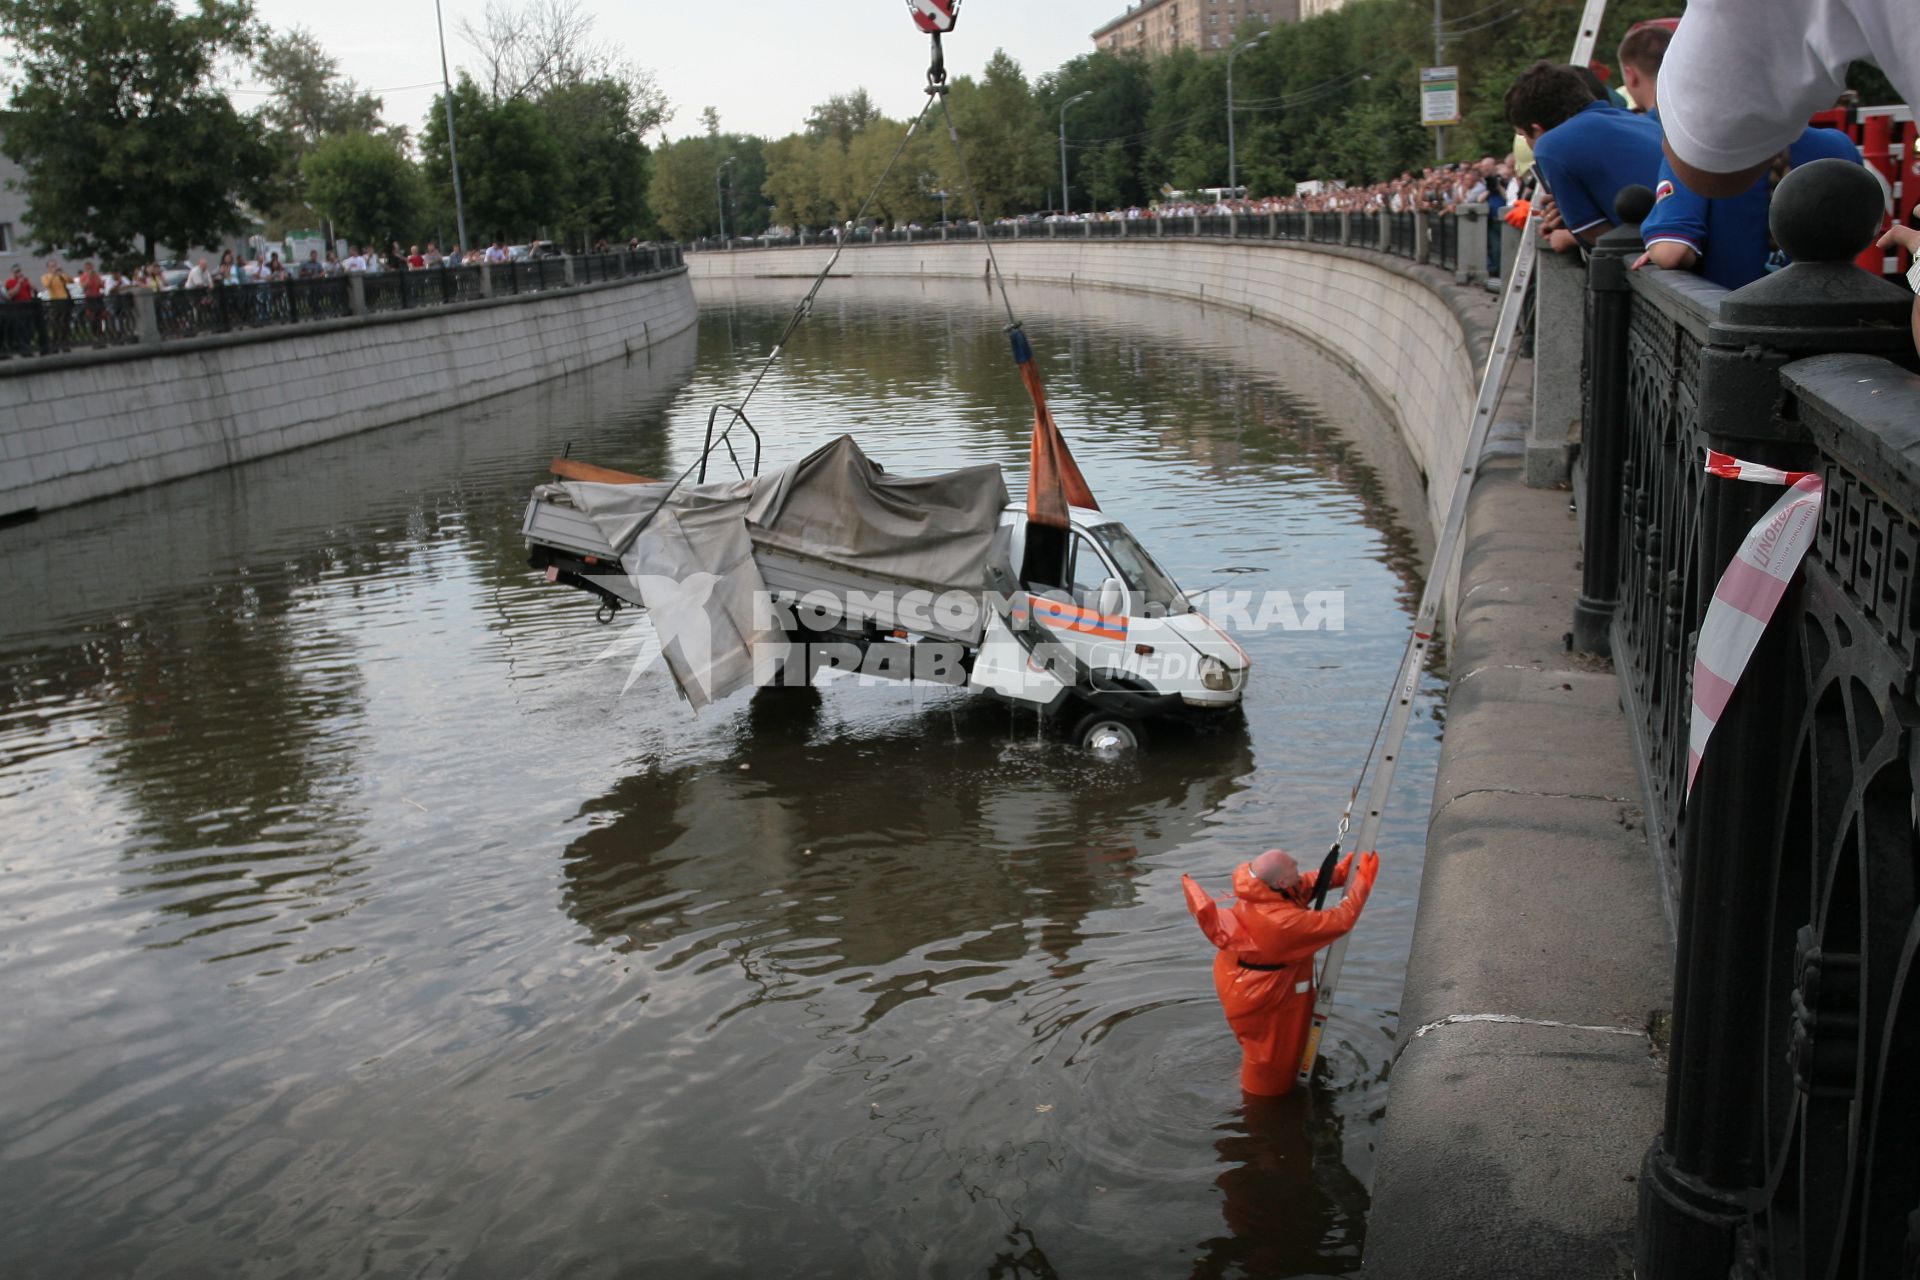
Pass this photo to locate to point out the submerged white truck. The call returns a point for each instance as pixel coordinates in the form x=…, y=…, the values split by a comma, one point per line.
x=835, y=563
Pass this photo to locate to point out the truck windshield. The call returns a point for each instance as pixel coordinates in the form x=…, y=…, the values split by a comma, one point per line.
x=1149, y=582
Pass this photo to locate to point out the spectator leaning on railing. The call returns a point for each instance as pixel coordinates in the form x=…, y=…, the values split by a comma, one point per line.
x=1584, y=149
x=1743, y=79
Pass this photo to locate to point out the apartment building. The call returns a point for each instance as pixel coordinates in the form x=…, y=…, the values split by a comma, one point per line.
x=1154, y=27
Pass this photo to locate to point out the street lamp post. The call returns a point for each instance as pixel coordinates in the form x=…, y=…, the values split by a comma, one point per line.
x=1066, y=200
x=1233, y=156
x=717, y=200
x=453, y=151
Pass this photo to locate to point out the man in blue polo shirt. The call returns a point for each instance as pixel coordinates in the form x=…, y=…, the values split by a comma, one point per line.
x=1585, y=150
x=1725, y=240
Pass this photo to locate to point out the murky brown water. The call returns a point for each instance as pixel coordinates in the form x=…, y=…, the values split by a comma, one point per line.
x=354, y=924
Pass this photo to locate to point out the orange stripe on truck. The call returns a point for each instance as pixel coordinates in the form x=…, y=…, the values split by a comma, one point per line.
x=1072, y=617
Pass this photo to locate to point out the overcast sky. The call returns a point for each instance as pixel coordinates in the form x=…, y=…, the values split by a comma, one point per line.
x=762, y=65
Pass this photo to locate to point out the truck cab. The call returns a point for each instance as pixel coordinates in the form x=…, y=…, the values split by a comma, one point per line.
x=1134, y=646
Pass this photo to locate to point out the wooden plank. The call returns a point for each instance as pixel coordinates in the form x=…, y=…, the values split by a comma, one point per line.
x=568, y=469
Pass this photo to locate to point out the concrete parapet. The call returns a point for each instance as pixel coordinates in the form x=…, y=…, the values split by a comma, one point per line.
x=80, y=425
x=1559, y=326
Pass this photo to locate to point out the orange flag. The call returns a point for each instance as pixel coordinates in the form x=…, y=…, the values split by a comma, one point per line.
x=1054, y=481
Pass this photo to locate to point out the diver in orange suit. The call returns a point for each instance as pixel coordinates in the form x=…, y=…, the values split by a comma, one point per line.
x=1267, y=939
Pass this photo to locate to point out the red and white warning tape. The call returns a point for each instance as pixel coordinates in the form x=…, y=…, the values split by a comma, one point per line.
x=1749, y=591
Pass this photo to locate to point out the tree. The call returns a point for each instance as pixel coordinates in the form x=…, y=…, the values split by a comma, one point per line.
x=1107, y=176
x=1106, y=131
x=597, y=108
x=531, y=50
x=372, y=192
x=310, y=101
x=120, y=126
x=842, y=116
x=682, y=191
x=1003, y=138
x=798, y=182
x=511, y=166
x=688, y=186
x=906, y=195
x=603, y=158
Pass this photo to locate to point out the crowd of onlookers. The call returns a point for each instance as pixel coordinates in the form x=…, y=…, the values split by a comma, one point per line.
x=265, y=267
x=1441, y=189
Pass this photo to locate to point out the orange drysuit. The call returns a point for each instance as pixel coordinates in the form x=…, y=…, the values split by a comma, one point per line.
x=1264, y=972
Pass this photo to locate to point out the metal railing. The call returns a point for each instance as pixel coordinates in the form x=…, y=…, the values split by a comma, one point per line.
x=1787, y=1149
x=44, y=328
x=49, y=327
x=1455, y=241
x=1444, y=241
x=1401, y=236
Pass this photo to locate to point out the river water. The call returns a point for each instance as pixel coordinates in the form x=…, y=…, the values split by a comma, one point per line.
x=355, y=922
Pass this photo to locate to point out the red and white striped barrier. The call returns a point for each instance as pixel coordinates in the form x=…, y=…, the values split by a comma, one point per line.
x=1749, y=591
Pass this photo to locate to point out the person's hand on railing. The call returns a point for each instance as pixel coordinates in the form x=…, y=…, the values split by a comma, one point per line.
x=1900, y=236
x=1550, y=220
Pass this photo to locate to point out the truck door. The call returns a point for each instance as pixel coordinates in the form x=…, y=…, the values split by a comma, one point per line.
x=1073, y=612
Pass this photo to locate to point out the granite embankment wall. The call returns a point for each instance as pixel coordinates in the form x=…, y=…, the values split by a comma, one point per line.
x=1525, y=1085
x=1405, y=334
x=87, y=424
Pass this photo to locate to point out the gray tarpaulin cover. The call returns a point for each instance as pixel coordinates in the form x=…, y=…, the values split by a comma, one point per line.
x=694, y=563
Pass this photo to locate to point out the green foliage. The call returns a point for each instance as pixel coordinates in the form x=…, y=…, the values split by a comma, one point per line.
x=692, y=181
x=310, y=101
x=605, y=161
x=1106, y=131
x=684, y=191
x=370, y=191
x=799, y=181
x=1003, y=139
x=511, y=165
x=557, y=120
x=1871, y=84
x=842, y=116
x=120, y=126
x=820, y=176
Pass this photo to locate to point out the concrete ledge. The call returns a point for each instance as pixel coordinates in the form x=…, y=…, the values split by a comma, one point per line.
x=1527, y=1088
x=1519, y=1163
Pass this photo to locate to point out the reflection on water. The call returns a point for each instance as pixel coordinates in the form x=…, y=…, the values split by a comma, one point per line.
x=355, y=923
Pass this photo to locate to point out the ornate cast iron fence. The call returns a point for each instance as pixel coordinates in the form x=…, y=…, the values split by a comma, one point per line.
x=1400, y=234
x=44, y=328
x=1842, y=1001
x=1787, y=1147
x=1444, y=233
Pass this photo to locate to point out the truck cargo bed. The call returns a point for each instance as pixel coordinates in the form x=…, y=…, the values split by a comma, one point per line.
x=552, y=522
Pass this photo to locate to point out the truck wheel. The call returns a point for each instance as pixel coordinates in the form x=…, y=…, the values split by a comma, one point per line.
x=1106, y=734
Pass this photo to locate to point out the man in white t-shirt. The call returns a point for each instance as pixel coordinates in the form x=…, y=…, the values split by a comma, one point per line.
x=1741, y=79
x=356, y=262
